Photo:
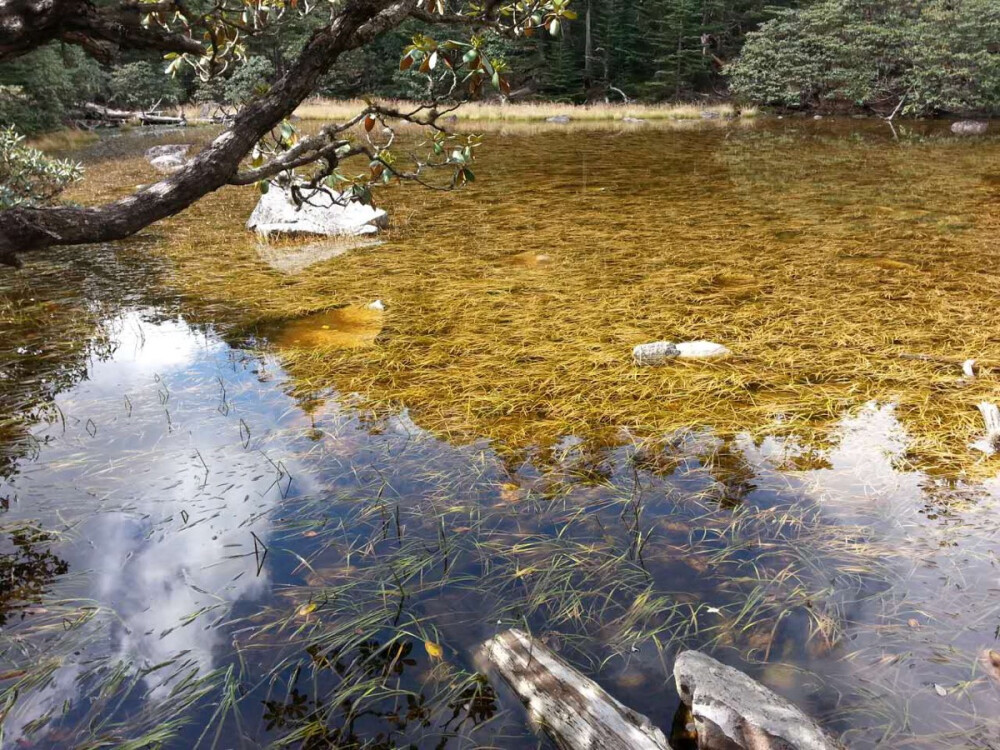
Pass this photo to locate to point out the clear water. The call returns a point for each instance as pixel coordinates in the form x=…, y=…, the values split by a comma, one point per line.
x=198, y=550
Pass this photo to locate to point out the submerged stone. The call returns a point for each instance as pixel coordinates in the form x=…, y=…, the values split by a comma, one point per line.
x=322, y=211
x=351, y=327
x=178, y=150
x=559, y=119
x=295, y=258
x=529, y=259
x=733, y=711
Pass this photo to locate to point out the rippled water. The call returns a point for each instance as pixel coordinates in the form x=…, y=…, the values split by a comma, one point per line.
x=209, y=541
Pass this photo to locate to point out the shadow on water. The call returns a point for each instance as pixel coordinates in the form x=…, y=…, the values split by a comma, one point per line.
x=197, y=550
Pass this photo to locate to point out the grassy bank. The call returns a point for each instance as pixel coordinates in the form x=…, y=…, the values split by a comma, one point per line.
x=493, y=111
x=63, y=140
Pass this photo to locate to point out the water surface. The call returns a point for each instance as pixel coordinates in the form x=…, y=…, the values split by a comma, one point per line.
x=237, y=512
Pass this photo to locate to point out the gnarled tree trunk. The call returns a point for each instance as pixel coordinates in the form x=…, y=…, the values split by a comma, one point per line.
x=355, y=23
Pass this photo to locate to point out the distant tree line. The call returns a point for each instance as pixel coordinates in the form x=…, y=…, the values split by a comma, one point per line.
x=614, y=49
x=918, y=56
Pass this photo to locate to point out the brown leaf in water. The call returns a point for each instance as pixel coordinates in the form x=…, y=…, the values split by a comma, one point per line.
x=510, y=492
x=913, y=623
x=13, y=674
x=990, y=659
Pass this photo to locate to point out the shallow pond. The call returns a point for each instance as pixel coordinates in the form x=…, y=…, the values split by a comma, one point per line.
x=240, y=508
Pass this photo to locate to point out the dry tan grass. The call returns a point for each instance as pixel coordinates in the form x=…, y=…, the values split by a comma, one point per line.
x=63, y=140
x=493, y=112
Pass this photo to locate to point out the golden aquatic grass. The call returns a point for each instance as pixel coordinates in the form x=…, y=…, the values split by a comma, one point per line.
x=819, y=256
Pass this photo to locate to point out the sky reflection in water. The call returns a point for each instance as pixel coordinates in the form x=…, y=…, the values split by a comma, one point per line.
x=176, y=452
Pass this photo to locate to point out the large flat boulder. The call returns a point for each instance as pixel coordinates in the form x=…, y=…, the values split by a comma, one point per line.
x=735, y=712
x=322, y=212
x=168, y=163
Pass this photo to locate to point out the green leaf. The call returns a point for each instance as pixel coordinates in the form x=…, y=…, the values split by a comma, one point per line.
x=263, y=186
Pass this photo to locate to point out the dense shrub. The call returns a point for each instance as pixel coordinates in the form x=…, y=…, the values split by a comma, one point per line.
x=142, y=85
x=251, y=79
x=941, y=55
x=27, y=176
x=38, y=89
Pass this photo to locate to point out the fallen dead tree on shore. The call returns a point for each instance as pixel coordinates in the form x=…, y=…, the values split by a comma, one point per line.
x=115, y=117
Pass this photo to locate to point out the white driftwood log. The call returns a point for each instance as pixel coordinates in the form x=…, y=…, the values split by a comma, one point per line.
x=573, y=709
x=990, y=443
x=121, y=116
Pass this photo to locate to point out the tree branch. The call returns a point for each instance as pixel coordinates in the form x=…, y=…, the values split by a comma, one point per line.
x=27, y=24
x=355, y=23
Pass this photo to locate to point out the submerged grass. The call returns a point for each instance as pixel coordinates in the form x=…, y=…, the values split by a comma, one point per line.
x=612, y=511
x=822, y=258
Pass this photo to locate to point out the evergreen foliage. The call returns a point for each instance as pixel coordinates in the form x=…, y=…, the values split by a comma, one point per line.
x=933, y=56
x=142, y=85
x=37, y=90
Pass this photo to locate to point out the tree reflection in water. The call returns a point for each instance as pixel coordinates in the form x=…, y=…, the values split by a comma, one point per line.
x=316, y=725
x=27, y=569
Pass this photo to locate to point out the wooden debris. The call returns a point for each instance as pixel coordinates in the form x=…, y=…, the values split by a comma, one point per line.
x=122, y=116
x=576, y=712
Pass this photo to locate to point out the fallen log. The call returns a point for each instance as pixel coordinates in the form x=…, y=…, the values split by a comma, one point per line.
x=122, y=116
x=576, y=712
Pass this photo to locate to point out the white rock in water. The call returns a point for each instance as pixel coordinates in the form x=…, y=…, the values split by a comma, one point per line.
x=969, y=127
x=377, y=305
x=731, y=710
x=168, y=163
x=321, y=213
x=989, y=444
x=171, y=149
x=661, y=351
x=655, y=353
x=702, y=350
